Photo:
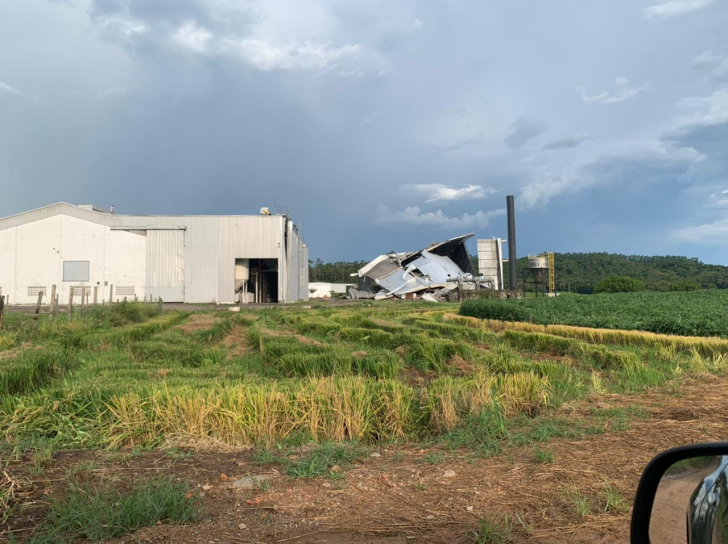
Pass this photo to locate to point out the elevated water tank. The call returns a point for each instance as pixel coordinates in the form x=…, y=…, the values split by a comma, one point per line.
x=536, y=262
x=538, y=266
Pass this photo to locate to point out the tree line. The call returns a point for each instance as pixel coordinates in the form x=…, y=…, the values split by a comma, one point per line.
x=581, y=272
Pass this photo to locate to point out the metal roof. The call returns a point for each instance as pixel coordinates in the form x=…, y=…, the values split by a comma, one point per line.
x=92, y=214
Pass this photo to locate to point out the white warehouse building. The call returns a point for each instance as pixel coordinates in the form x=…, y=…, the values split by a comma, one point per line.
x=194, y=259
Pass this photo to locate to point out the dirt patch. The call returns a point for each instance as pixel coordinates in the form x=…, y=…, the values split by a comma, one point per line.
x=198, y=322
x=418, y=378
x=409, y=494
x=236, y=341
x=286, y=333
x=9, y=353
x=460, y=365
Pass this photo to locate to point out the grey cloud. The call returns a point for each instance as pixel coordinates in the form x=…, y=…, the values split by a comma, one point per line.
x=227, y=29
x=714, y=233
x=413, y=217
x=522, y=132
x=223, y=106
x=622, y=92
x=643, y=167
x=674, y=8
x=5, y=88
x=715, y=63
x=460, y=144
x=568, y=142
x=438, y=192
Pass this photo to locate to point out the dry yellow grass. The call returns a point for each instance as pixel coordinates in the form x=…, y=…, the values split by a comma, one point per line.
x=703, y=345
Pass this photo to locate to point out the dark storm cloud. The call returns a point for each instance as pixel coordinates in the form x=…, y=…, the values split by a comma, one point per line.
x=569, y=142
x=522, y=132
x=331, y=108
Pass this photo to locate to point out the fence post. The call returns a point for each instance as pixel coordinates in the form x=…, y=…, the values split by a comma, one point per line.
x=37, y=309
x=83, y=300
x=55, y=308
x=161, y=305
x=96, y=295
x=2, y=310
x=53, y=302
x=111, y=294
x=70, y=303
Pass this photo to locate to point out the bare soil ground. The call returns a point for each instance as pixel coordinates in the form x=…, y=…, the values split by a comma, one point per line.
x=398, y=496
x=198, y=322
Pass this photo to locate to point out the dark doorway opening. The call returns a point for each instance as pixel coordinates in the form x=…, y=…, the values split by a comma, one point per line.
x=261, y=283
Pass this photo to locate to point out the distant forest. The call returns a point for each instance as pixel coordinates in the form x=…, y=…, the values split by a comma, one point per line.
x=580, y=272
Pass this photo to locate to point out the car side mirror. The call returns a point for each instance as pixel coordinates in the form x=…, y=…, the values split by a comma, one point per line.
x=682, y=497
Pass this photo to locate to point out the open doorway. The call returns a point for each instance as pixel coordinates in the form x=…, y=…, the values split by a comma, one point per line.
x=256, y=280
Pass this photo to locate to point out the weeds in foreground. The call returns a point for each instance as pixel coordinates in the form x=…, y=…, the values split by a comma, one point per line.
x=544, y=455
x=584, y=505
x=102, y=513
x=491, y=531
x=434, y=458
x=325, y=460
x=608, y=500
x=41, y=460
x=613, y=500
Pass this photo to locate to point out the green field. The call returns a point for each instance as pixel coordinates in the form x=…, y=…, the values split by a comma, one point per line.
x=312, y=389
x=698, y=313
x=125, y=376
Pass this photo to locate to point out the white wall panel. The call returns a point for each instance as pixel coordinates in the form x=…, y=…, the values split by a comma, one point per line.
x=47, y=236
x=33, y=255
x=166, y=265
x=7, y=262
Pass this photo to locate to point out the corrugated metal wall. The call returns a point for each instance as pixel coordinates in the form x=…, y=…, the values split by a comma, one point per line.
x=294, y=257
x=211, y=245
x=247, y=237
x=201, y=251
x=303, y=272
x=166, y=265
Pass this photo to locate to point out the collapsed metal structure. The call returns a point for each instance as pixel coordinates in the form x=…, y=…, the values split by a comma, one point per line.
x=431, y=273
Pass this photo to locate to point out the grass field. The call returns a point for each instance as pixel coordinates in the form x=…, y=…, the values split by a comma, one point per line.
x=314, y=390
x=698, y=313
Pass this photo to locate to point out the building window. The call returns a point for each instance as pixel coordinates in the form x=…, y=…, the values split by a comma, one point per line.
x=125, y=291
x=79, y=289
x=75, y=270
x=33, y=291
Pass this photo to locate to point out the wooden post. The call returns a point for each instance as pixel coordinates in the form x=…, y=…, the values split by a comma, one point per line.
x=111, y=294
x=96, y=295
x=83, y=300
x=70, y=302
x=2, y=310
x=37, y=309
x=53, y=302
x=55, y=308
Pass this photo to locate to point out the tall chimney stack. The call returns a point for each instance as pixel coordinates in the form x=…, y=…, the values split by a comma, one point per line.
x=512, y=242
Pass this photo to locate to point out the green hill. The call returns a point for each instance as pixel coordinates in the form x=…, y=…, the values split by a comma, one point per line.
x=580, y=272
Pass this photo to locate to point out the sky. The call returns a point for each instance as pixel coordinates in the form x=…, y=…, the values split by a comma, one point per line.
x=379, y=125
